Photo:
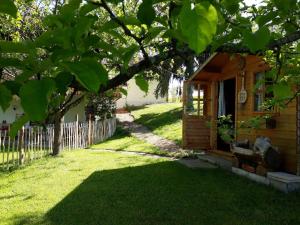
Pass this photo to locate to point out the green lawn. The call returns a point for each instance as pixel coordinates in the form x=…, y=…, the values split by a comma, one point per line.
x=163, y=119
x=90, y=188
x=123, y=141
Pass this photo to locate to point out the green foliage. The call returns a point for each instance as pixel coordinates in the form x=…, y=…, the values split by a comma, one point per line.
x=101, y=106
x=232, y=6
x=146, y=12
x=258, y=40
x=282, y=90
x=88, y=72
x=35, y=98
x=17, y=125
x=8, y=7
x=226, y=128
x=77, y=46
x=128, y=54
x=199, y=24
x=5, y=97
x=62, y=81
x=142, y=83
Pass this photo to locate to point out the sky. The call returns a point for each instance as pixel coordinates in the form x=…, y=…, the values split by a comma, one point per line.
x=252, y=2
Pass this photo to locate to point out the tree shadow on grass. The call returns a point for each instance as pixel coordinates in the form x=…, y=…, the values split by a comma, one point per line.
x=157, y=120
x=167, y=193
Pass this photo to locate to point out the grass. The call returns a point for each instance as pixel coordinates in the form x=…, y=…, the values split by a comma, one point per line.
x=123, y=141
x=89, y=187
x=9, y=159
x=162, y=119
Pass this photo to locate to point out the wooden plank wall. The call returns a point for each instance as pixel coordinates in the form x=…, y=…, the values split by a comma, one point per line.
x=298, y=135
x=196, y=132
x=284, y=135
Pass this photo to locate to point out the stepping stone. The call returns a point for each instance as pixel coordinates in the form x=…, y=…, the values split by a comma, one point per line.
x=196, y=163
x=223, y=163
x=284, y=181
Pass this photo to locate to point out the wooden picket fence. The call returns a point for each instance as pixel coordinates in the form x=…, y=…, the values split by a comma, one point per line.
x=33, y=143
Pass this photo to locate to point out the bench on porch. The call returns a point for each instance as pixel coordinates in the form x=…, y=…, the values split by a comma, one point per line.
x=260, y=159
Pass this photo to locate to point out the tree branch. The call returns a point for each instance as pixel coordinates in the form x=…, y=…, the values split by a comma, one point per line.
x=71, y=105
x=136, y=68
x=139, y=40
x=69, y=99
x=238, y=48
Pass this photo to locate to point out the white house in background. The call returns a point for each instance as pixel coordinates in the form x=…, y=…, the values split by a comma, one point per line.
x=15, y=111
x=136, y=97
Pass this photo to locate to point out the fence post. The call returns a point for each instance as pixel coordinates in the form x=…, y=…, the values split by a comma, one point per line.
x=90, y=130
x=21, y=146
x=62, y=143
x=77, y=132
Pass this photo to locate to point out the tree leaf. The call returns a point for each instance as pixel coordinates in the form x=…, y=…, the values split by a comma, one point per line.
x=130, y=20
x=17, y=125
x=128, y=54
x=8, y=7
x=90, y=73
x=298, y=47
x=258, y=40
x=198, y=25
x=282, y=91
x=142, y=83
x=62, y=81
x=85, y=9
x=232, y=6
x=35, y=96
x=146, y=12
x=153, y=33
x=13, y=86
x=123, y=91
x=6, y=62
x=15, y=47
x=5, y=97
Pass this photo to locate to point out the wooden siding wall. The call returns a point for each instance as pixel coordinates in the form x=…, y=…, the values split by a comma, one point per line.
x=284, y=135
x=298, y=135
x=195, y=129
x=196, y=132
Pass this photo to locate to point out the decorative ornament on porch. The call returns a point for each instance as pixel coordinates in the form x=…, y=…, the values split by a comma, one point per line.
x=242, y=95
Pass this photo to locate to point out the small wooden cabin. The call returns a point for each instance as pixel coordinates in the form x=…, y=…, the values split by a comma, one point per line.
x=215, y=88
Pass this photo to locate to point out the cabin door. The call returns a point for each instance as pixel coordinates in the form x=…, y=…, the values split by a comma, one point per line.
x=226, y=111
x=196, y=130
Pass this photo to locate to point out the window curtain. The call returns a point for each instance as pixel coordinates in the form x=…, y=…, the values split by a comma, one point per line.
x=221, y=101
x=260, y=92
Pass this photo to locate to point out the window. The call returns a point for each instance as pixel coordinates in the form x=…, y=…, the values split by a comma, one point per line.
x=262, y=92
x=195, y=99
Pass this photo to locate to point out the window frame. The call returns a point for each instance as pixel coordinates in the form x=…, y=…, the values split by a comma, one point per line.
x=261, y=91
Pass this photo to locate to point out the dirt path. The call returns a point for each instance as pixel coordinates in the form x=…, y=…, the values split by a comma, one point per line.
x=142, y=132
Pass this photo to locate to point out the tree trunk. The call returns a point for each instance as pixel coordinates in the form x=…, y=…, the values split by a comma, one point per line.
x=57, y=135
